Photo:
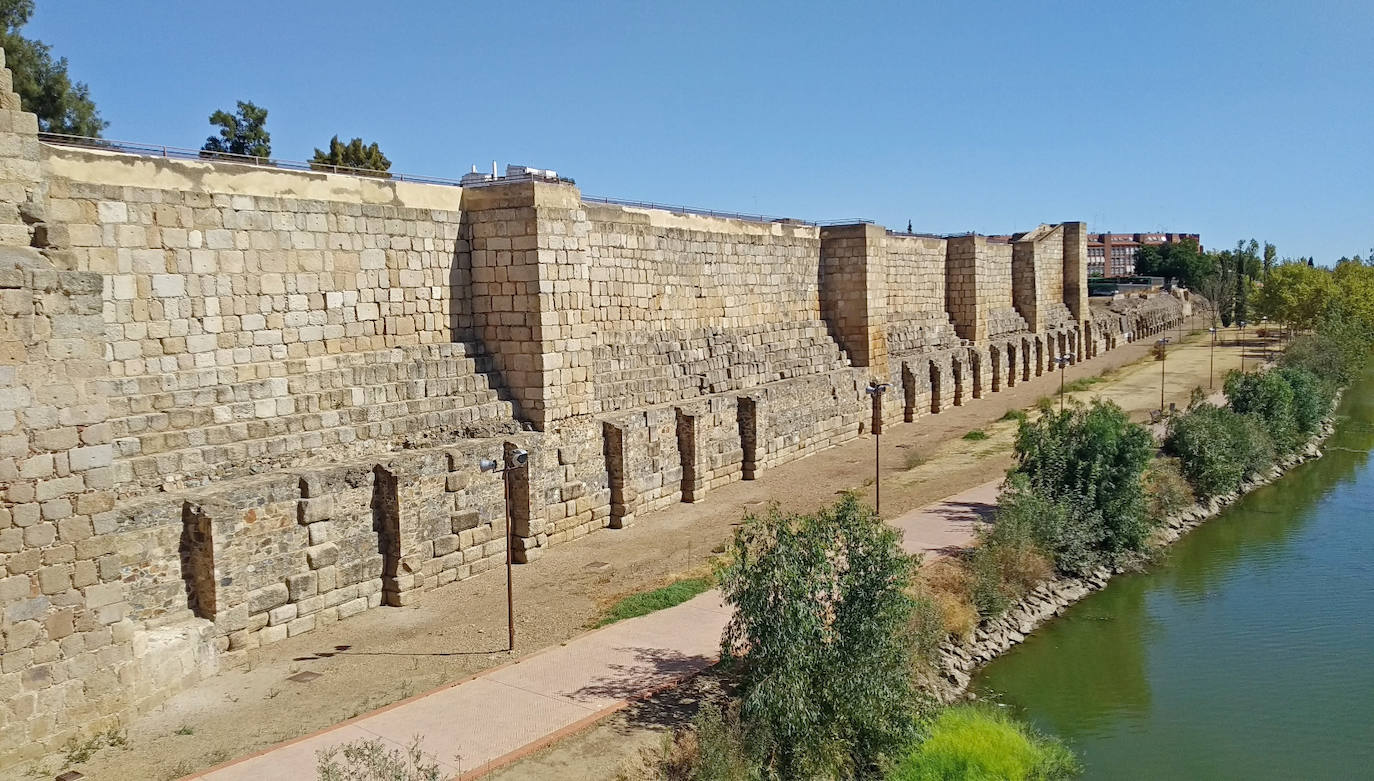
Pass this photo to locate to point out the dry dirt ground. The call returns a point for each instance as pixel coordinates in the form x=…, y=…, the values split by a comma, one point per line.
x=453, y=632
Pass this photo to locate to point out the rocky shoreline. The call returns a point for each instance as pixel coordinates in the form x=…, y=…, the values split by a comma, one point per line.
x=958, y=661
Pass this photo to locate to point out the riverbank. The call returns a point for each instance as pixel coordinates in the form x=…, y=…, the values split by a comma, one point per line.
x=959, y=661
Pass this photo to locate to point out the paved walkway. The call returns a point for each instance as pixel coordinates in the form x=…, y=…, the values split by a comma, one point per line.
x=475, y=725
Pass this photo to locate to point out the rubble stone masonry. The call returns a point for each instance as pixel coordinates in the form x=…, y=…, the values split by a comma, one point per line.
x=238, y=403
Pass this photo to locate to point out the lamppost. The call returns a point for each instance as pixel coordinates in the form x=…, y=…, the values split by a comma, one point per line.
x=515, y=459
x=876, y=390
x=1063, y=360
x=1212, y=359
x=1162, y=344
x=1242, y=345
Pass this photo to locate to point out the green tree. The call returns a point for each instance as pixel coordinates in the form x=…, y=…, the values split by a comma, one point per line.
x=820, y=633
x=1295, y=293
x=243, y=133
x=1182, y=261
x=42, y=82
x=354, y=154
x=1271, y=255
x=1090, y=459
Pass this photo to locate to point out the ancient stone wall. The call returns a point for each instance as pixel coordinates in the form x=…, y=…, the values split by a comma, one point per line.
x=237, y=403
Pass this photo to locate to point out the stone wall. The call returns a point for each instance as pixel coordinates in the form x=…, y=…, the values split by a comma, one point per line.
x=237, y=402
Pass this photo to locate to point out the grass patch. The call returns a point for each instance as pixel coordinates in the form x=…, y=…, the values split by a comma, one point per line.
x=977, y=743
x=1082, y=384
x=914, y=459
x=647, y=602
x=976, y=435
x=1018, y=415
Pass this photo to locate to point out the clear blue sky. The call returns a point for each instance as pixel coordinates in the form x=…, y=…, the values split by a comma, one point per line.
x=1233, y=119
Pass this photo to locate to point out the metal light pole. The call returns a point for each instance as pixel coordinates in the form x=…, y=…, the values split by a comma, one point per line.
x=1242, y=345
x=1063, y=361
x=515, y=459
x=1212, y=360
x=1163, y=349
x=1264, y=324
x=876, y=390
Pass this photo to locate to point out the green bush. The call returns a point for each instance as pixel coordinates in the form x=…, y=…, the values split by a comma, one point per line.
x=981, y=743
x=976, y=435
x=716, y=747
x=1008, y=560
x=1268, y=396
x=927, y=630
x=1217, y=447
x=1090, y=459
x=820, y=635
x=1312, y=397
x=1072, y=536
x=1338, y=348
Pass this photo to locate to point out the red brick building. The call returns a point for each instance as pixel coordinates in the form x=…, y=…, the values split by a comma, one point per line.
x=1113, y=254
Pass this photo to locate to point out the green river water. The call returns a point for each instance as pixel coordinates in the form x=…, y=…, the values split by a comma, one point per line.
x=1247, y=652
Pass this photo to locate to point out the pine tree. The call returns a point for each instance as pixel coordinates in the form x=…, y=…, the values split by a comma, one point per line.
x=243, y=133
x=42, y=82
x=352, y=155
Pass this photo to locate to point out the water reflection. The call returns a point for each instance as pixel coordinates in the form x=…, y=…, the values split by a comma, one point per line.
x=1238, y=656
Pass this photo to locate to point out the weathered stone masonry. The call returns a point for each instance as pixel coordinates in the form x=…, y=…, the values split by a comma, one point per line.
x=237, y=403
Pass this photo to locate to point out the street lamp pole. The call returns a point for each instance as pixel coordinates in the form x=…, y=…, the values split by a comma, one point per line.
x=1212, y=360
x=876, y=390
x=1163, y=349
x=1242, y=346
x=1063, y=360
x=515, y=459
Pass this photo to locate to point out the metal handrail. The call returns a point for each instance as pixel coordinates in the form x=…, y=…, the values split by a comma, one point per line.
x=182, y=153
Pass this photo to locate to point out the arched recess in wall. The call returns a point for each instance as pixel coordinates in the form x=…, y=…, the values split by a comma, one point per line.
x=1039, y=355
x=934, y=387
x=956, y=370
x=995, y=355
x=1011, y=364
x=386, y=523
x=908, y=393
x=198, y=561
x=1063, y=344
x=975, y=363
x=1025, y=359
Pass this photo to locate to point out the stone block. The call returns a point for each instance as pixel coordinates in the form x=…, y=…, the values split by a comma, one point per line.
x=321, y=556
x=268, y=597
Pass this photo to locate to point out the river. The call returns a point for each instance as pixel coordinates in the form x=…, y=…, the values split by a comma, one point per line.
x=1246, y=652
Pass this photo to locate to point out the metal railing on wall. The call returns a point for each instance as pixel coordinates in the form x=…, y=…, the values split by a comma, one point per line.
x=182, y=153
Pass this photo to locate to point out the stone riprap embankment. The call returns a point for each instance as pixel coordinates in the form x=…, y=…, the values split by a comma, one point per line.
x=959, y=660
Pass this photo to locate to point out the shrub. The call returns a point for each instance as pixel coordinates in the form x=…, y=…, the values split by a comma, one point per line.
x=1216, y=448
x=927, y=627
x=1089, y=460
x=716, y=747
x=1014, y=414
x=1268, y=396
x=950, y=585
x=976, y=435
x=1071, y=536
x=370, y=760
x=1312, y=397
x=1006, y=563
x=1166, y=491
x=820, y=635
x=981, y=743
